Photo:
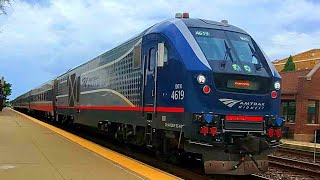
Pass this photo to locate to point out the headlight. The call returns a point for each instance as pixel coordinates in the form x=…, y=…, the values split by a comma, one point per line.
x=201, y=79
x=277, y=85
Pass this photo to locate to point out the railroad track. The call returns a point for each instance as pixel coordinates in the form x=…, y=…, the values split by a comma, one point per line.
x=305, y=154
x=302, y=167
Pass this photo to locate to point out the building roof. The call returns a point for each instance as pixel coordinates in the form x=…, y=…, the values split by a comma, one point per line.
x=304, y=60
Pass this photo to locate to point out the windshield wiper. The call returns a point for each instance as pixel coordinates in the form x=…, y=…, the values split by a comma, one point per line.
x=254, y=54
x=227, y=52
x=226, y=55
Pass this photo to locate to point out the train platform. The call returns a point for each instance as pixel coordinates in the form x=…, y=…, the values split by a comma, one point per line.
x=299, y=144
x=32, y=149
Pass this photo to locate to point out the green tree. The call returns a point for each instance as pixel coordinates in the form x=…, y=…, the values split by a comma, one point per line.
x=289, y=66
x=7, y=89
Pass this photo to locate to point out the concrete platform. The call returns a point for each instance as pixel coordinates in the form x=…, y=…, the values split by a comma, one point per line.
x=34, y=150
x=299, y=144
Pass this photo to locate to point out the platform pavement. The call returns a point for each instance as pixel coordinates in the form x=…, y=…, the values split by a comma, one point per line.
x=291, y=142
x=31, y=151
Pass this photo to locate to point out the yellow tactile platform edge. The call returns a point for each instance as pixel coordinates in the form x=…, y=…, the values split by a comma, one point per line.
x=131, y=164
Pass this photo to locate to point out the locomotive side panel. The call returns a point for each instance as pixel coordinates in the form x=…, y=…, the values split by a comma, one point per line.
x=104, y=89
x=111, y=92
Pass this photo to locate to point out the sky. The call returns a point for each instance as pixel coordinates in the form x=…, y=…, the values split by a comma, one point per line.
x=40, y=39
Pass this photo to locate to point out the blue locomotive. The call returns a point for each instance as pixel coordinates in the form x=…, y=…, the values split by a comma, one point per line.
x=184, y=85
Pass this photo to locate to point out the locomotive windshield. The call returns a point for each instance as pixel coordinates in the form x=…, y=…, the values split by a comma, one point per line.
x=242, y=52
x=224, y=45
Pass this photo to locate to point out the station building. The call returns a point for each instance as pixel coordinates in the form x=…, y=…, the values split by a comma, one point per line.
x=300, y=95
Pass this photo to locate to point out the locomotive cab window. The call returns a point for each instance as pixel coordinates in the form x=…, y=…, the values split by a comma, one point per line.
x=152, y=59
x=137, y=56
x=226, y=45
x=165, y=54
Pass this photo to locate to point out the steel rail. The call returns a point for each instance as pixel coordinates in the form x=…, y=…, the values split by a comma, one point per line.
x=302, y=167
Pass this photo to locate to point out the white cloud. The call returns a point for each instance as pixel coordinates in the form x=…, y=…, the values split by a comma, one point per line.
x=292, y=11
x=290, y=43
x=41, y=41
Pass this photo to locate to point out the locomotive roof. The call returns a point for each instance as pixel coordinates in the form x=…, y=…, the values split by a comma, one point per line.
x=203, y=23
x=190, y=22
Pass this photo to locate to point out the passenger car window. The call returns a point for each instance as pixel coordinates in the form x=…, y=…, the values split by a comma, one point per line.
x=152, y=59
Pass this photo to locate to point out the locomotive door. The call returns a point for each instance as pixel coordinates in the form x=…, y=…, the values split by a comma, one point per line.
x=72, y=90
x=150, y=76
x=149, y=86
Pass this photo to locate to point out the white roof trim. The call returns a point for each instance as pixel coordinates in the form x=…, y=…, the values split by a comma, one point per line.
x=314, y=70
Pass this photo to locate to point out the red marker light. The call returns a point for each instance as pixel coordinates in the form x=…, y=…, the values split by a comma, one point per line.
x=274, y=94
x=206, y=89
x=278, y=132
x=204, y=130
x=185, y=15
x=213, y=131
x=270, y=132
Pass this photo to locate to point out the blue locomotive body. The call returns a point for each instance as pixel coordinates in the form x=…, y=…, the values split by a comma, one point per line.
x=185, y=85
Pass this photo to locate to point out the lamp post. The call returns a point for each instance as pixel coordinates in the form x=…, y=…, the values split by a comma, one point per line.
x=315, y=146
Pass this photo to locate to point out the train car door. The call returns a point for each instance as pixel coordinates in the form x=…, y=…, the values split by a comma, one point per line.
x=72, y=90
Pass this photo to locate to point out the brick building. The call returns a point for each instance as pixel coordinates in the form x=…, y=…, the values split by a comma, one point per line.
x=300, y=95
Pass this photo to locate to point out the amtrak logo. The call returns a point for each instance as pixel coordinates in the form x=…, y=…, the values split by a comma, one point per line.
x=245, y=105
x=229, y=102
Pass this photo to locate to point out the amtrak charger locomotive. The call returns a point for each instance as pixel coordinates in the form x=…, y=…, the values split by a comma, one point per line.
x=184, y=85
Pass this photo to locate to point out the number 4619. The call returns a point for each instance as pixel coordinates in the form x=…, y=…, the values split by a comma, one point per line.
x=177, y=95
